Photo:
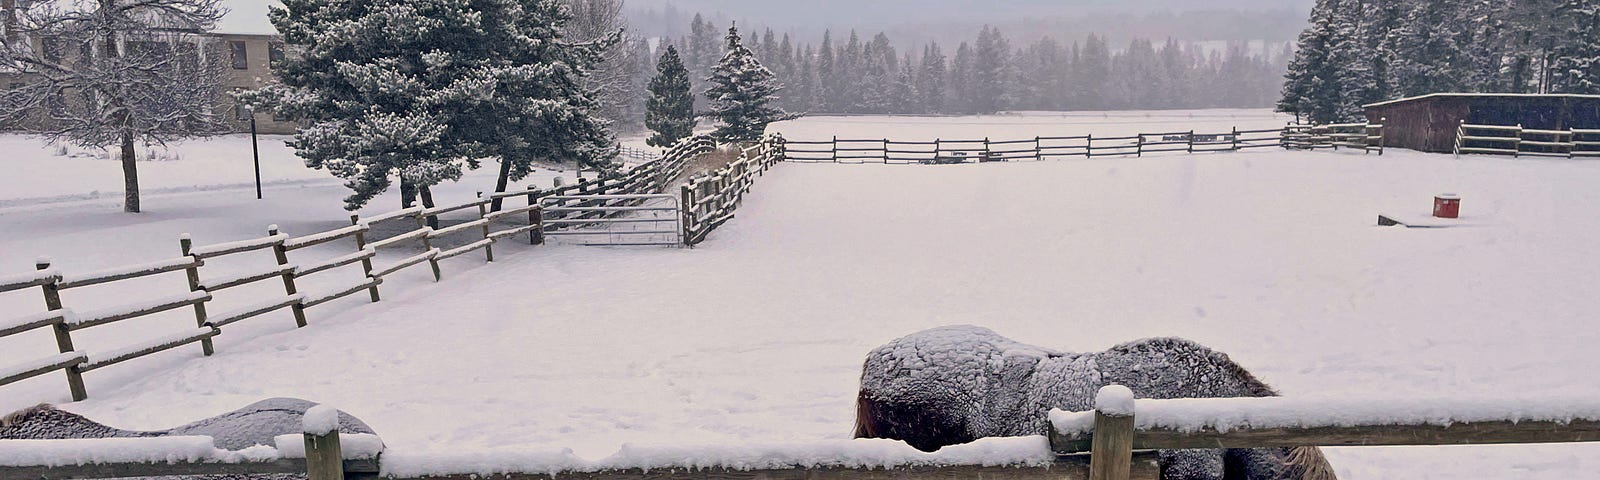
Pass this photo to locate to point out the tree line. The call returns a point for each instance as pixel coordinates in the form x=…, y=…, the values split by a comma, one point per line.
x=850, y=74
x=1358, y=52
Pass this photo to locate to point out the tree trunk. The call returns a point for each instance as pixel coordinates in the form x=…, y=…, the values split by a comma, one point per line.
x=130, y=176
x=501, y=184
x=408, y=194
x=427, y=202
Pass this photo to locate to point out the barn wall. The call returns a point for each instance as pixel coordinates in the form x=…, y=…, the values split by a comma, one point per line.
x=1429, y=124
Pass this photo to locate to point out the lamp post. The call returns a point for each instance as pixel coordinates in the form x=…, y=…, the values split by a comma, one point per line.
x=255, y=149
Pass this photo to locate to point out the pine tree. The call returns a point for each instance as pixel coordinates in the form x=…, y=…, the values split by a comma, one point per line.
x=670, y=110
x=423, y=89
x=741, y=93
x=931, y=80
x=1576, y=68
x=992, y=54
x=827, y=75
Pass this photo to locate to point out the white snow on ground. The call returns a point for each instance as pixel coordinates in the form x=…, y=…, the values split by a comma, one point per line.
x=757, y=336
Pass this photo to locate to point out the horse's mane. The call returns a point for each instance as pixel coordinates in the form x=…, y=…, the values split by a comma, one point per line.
x=17, y=417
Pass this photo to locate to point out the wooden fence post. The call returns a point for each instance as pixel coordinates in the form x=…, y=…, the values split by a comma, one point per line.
x=835, y=149
x=282, y=255
x=366, y=263
x=324, y=455
x=1191, y=141
x=886, y=151
x=52, y=301
x=1236, y=138
x=1383, y=140
x=535, y=217
x=686, y=212
x=1038, y=149
x=185, y=243
x=427, y=245
x=938, y=151
x=483, y=212
x=987, y=151
x=1138, y=147
x=1088, y=148
x=1111, y=447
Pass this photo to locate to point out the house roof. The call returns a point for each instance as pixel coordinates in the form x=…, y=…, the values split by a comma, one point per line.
x=1483, y=95
x=247, y=17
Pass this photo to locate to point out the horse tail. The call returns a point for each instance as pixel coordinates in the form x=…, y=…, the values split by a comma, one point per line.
x=1308, y=463
x=866, y=421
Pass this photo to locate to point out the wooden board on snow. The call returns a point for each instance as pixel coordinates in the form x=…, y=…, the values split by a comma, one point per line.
x=1419, y=221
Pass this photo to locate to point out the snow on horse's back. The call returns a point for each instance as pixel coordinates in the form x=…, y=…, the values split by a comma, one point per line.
x=954, y=385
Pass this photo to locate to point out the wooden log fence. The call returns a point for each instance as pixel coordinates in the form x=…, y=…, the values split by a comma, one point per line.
x=1118, y=440
x=953, y=151
x=292, y=261
x=1516, y=141
x=708, y=201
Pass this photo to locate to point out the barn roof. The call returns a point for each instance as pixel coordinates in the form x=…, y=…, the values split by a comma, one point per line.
x=1484, y=95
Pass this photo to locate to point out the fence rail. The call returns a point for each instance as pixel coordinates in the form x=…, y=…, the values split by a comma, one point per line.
x=490, y=220
x=1115, y=441
x=1516, y=141
x=950, y=151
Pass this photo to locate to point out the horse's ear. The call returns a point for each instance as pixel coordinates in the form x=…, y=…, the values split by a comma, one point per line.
x=16, y=418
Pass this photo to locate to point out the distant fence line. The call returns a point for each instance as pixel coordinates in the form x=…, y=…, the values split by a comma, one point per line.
x=492, y=221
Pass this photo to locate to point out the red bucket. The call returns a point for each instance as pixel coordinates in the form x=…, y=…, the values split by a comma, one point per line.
x=1447, y=206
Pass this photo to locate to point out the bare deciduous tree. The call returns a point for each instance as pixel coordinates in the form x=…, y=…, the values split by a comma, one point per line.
x=618, y=79
x=102, y=73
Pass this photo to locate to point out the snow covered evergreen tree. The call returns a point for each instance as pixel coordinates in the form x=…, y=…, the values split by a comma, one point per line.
x=991, y=58
x=1576, y=68
x=132, y=69
x=420, y=90
x=670, y=111
x=742, y=92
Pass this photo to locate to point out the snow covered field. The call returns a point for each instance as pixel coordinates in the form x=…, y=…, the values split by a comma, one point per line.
x=758, y=335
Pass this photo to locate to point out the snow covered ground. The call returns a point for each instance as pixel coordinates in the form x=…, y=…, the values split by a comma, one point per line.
x=758, y=335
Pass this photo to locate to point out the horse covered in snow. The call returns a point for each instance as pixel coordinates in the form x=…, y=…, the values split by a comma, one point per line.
x=256, y=424
x=954, y=385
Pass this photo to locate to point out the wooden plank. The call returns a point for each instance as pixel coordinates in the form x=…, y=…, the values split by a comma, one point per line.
x=245, y=279
x=40, y=367
x=254, y=310
x=458, y=228
x=391, y=241
x=1070, y=467
x=397, y=214
x=1483, y=433
x=124, y=312
x=324, y=237
x=19, y=282
x=160, y=345
x=175, y=469
x=403, y=264
x=30, y=322
x=223, y=249
x=331, y=264
x=133, y=271
x=451, y=208
x=369, y=283
x=480, y=244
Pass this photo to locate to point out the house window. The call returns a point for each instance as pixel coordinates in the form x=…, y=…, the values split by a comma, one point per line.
x=274, y=54
x=241, y=60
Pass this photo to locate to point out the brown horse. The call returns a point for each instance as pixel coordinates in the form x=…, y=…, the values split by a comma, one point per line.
x=954, y=385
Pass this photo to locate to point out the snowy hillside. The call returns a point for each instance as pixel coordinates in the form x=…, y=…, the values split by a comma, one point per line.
x=758, y=335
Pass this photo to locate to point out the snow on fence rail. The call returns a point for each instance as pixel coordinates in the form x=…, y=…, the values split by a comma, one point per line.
x=291, y=262
x=1367, y=137
x=949, y=151
x=1517, y=141
x=1116, y=441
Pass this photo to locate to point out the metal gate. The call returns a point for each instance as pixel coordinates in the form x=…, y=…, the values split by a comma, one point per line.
x=614, y=220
